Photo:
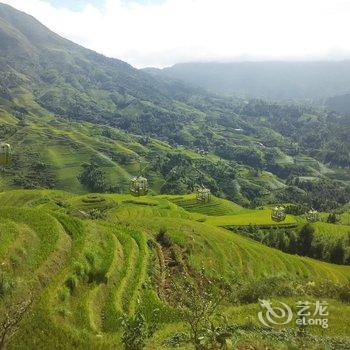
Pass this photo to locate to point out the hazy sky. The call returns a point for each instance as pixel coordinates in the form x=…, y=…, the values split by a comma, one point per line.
x=163, y=32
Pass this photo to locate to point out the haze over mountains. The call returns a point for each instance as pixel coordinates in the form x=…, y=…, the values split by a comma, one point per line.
x=279, y=81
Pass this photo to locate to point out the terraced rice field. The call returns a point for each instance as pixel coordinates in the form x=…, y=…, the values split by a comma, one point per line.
x=331, y=231
x=216, y=206
x=81, y=276
x=252, y=217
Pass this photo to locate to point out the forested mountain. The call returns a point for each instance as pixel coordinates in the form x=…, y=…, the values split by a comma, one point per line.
x=38, y=66
x=279, y=81
x=339, y=103
x=252, y=152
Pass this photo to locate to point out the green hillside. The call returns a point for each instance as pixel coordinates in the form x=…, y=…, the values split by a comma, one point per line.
x=251, y=152
x=84, y=274
x=58, y=150
x=84, y=264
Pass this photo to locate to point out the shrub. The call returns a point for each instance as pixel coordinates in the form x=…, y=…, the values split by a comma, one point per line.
x=93, y=199
x=259, y=288
x=90, y=257
x=64, y=312
x=177, y=340
x=72, y=283
x=63, y=294
x=61, y=203
x=163, y=239
x=135, y=331
x=344, y=293
x=15, y=260
x=97, y=214
x=5, y=284
x=96, y=275
x=80, y=270
x=332, y=218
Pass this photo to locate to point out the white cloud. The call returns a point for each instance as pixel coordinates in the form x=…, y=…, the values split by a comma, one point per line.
x=174, y=31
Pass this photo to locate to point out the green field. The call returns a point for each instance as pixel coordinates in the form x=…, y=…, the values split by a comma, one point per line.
x=64, y=148
x=85, y=274
x=331, y=231
x=196, y=261
x=215, y=207
x=249, y=217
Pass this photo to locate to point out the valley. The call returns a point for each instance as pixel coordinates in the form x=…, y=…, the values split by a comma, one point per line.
x=140, y=211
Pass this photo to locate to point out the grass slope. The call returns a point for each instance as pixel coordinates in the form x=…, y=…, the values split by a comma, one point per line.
x=84, y=274
x=65, y=146
x=249, y=217
x=216, y=206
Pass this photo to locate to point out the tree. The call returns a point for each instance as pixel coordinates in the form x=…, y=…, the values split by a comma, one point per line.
x=199, y=303
x=332, y=218
x=306, y=237
x=284, y=241
x=93, y=177
x=338, y=253
x=293, y=242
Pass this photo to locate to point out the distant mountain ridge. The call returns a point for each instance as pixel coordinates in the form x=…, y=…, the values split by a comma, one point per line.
x=279, y=81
